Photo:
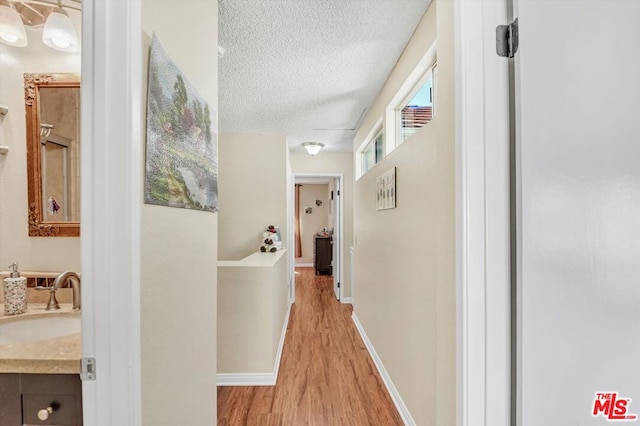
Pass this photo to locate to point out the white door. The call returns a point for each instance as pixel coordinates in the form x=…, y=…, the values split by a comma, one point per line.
x=577, y=76
x=337, y=237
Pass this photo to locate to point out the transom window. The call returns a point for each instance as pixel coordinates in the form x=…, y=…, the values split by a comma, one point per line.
x=418, y=109
x=372, y=153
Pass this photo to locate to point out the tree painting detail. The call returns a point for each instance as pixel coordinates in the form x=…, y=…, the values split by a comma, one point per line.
x=182, y=144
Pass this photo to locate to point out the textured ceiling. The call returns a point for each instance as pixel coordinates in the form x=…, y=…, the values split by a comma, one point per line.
x=308, y=69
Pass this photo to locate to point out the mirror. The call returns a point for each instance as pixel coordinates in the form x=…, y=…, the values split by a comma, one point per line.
x=52, y=104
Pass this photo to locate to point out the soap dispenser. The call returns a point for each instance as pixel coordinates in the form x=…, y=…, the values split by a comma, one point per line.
x=15, y=292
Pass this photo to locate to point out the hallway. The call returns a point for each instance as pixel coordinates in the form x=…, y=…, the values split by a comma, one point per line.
x=326, y=375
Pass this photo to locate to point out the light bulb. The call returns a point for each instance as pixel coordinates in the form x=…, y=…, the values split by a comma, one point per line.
x=61, y=43
x=8, y=37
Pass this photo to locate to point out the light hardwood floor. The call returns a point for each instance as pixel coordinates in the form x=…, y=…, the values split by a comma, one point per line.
x=326, y=375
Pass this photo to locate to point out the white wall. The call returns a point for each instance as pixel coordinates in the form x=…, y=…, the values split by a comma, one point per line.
x=252, y=192
x=32, y=253
x=333, y=163
x=405, y=257
x=179, y=247
x=311, y=224
x=580, y=208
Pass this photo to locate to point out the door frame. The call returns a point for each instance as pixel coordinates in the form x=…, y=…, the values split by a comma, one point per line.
x=338, y=235
x=483, y=263
x=111, y=304
x=336, y=262
x=111, y=175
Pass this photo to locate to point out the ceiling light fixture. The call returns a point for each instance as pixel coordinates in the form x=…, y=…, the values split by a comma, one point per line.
x=58, y=30
x=313, y=147
x=11, y=27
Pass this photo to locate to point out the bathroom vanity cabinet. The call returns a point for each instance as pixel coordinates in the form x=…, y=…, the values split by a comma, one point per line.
x=23, y=396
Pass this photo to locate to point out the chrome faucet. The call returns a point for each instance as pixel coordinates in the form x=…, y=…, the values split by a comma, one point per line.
x=60, y=281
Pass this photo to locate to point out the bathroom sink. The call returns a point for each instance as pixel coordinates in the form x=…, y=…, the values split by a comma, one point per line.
x=38, y=327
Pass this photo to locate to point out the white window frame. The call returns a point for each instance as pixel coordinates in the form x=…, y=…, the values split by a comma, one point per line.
x=409, y=88
x=368, y=141
x=371, y=145
x=430, y=73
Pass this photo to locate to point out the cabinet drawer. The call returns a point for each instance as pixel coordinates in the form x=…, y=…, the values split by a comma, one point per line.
x=66, y=408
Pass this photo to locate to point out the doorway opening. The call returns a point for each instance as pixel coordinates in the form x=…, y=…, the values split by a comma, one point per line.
x=317, y=220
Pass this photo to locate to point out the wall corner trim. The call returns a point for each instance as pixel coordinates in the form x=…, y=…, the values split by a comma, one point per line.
x=393, y=392
x=257, y=379
x=348, y=300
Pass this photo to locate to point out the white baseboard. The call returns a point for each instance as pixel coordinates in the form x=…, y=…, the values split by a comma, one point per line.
x=347, y=300
x=257, y=379
x=283, y=334
x=393, y=392
x=245, y=379
x=304, y=265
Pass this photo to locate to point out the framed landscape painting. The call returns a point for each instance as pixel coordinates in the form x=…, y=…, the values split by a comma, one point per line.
x=182, y=141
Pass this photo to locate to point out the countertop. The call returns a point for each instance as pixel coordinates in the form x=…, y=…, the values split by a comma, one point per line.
x=60, y=355
x=257, y=259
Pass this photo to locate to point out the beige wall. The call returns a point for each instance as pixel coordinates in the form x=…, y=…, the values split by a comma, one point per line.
x=253, y=298
x=252, y=192
x=310, y=224
x=179, y=247
x=32, y=253
x=333, y=163
x=405, y=257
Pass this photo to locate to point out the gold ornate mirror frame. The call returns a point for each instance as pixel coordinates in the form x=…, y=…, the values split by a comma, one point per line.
x=38, y=227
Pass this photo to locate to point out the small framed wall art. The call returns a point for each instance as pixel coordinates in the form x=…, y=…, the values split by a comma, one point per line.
x=386, y=190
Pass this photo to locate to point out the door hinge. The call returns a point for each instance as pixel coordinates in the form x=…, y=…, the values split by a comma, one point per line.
x=88, y=369
x=507, y=39
x=338, y=192
x=338, y=285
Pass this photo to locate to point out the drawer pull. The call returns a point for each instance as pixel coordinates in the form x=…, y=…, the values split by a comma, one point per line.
x=46, y=412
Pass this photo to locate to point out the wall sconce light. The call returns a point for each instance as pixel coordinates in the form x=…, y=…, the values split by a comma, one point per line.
x=11, y=27
x=313, y=147
x=58, y=30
